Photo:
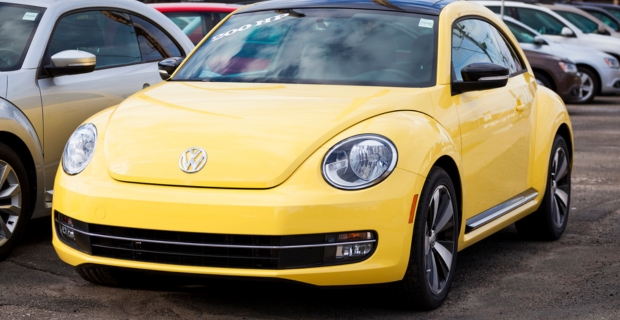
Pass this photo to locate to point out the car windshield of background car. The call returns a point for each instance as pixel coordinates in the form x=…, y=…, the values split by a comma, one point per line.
x=584, y=24
x=540, y=21
x=336, y=46
x=196, y=25
x=17, y=26
x=523, y=35
x=605, y=19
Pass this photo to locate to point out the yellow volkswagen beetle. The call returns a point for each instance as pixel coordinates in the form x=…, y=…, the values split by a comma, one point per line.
x=326, y=142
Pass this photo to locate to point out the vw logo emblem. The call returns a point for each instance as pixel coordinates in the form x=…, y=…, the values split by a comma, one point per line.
x=193, y=159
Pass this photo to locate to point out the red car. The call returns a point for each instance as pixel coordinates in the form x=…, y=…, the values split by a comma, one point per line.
x=195, y=19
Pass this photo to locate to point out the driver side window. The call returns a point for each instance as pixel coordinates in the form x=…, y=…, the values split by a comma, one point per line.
x=109, y=35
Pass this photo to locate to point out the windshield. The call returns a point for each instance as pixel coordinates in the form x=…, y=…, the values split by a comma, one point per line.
x=606, y=19
x=336, y=46
x=17, y=26
x=584, y=24
x=523, y=35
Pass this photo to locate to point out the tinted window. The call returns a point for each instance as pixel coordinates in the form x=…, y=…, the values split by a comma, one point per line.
x=613, y=11
x=335, y=46
x=196, y=25
x=476, y=41
x=540, y=21
x=606, y=19
x=17, y=25
x=154, y=43
x=109, y=35
x=584, y=24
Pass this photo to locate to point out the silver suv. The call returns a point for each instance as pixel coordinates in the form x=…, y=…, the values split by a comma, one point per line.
x=60, y=62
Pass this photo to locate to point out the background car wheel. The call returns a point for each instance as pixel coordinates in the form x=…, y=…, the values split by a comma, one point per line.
x=549, y=221
x=543, y=80
x=589, y=86
x=432, y=260
x=14, y=200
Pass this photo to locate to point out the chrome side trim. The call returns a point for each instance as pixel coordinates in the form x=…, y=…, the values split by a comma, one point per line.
x=487, y=216
x=493, y=78
x=331, y=244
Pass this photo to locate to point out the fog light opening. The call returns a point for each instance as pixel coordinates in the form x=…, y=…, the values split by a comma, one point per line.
x=65, y=231
x=354, y=250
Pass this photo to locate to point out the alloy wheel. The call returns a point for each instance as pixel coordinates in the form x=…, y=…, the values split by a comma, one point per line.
x=587, y=87
x=439, y=241
x=560, y=187
x=10, y=201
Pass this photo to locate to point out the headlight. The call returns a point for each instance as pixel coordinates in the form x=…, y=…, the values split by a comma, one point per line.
x=568, y=67
x=612, y=63
x=79, y=149
x=359, y=162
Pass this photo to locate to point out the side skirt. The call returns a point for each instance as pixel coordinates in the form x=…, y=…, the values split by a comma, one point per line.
x=501, y=209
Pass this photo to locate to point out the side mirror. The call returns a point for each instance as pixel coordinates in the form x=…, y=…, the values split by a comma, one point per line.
x=168, y=66
x=482, y=76
x=540, y=41
x=602, y=30
x=70, y=62
x=566, y=32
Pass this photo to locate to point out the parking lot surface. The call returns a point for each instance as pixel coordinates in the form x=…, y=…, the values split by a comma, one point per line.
x=503, y=276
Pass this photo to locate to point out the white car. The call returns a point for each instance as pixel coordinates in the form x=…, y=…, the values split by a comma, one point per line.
x=597, y=67
x=557, y=29
x=62, y=61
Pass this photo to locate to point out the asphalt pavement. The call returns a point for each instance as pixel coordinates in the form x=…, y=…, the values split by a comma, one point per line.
x=501, y=277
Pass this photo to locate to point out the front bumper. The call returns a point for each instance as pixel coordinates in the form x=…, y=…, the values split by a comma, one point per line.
x=610, y=81
x=293, y=208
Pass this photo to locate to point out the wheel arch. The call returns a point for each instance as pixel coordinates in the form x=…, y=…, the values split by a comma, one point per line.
x=449, y=165
x=19, y=134
x=547, y=75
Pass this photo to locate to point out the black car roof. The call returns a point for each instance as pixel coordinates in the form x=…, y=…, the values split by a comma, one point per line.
x=432, y=7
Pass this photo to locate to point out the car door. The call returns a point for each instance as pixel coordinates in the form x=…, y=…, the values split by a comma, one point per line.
x=495, y=123
x=127, y=53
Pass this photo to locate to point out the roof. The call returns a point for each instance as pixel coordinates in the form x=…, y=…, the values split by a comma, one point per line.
x=418, y=6
x=193, y=7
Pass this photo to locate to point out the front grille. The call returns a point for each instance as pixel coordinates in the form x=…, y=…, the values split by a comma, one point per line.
x=205, y=249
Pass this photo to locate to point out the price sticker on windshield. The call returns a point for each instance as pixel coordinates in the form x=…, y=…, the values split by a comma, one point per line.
x=30, y=16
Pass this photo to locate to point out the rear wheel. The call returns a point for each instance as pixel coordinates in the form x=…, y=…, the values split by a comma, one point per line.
x=549, y=221
x=432, y=260
x=14, y=200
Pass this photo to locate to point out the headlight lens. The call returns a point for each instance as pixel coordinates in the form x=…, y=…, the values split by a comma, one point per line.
x=359, y=162
x=612, y=63
x=79, y=149
x=568, y=67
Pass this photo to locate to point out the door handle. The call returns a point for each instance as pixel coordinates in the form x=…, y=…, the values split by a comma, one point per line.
x=520, y=107
x=146, y=85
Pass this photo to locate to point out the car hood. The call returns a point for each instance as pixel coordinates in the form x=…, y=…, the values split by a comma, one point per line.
x=255, y=135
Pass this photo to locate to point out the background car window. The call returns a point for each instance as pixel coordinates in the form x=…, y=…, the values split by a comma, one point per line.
x=584, y=24
x=605, y=19
x=109, y=35
x=477, y=41
x=154, y=43
x=523, y=35
x=540, y=21
x=196, y=25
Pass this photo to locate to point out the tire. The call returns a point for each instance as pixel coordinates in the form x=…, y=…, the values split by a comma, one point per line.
x=432, y=261
x=590, y=86
x=550, y=220
x=544, y=80
x=15, y=211
x=104, y=276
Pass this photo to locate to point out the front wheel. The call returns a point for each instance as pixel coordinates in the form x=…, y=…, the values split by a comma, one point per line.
x=589, y=86
x=549, y=221
x=14, y=200
x=432, y=260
